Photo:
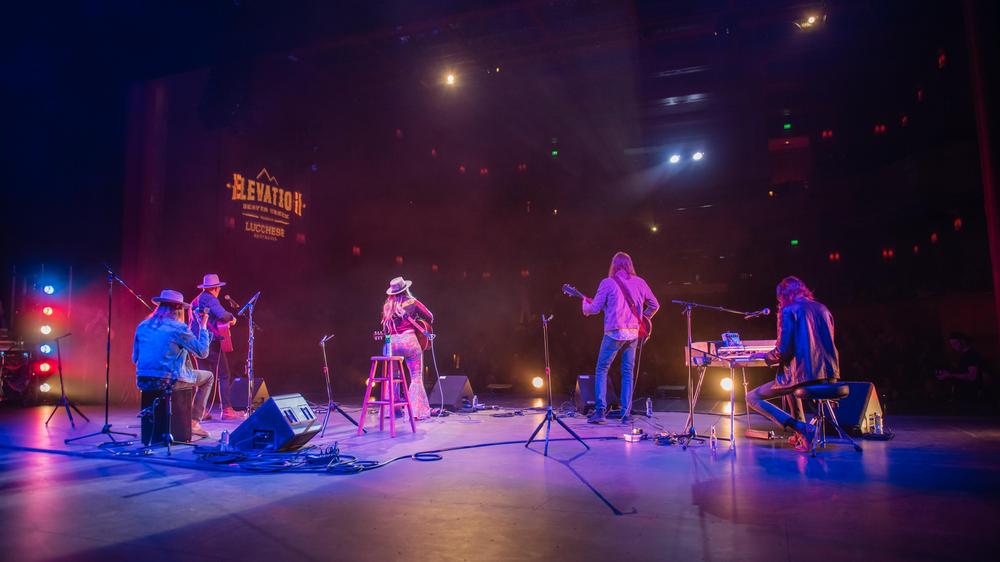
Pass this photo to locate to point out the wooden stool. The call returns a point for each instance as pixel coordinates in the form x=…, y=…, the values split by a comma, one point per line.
x=393, y=373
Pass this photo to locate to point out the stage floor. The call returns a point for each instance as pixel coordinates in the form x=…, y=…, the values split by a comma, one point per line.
x=929, y=494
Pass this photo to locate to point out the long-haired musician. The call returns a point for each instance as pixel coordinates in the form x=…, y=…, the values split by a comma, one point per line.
x=161, y=350
x=400, y=315
x=805, y=354
x=621, y=328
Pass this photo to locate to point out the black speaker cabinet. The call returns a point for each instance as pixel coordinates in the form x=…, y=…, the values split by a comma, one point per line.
x=238, y=392
x=154, y=428
x=283, y=423
x=455, y=388
x=853, y=411
x=585, y=397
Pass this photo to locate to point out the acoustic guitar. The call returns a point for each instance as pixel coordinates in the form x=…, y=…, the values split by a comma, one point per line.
x=422, y=329
x=645, y=324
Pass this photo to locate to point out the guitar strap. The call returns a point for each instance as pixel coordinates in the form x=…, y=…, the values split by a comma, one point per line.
x=628, y=299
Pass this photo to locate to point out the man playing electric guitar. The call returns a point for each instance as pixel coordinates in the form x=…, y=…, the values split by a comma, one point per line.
x=628, y=304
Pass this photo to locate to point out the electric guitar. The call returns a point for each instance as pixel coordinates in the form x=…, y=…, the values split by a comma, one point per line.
x=645, y=323
x=422, y=329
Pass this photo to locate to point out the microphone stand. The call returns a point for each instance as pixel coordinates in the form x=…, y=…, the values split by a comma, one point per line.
x=330, y=404
x=106, y=429
x=248, y=310
x=64, y=401
x=689, y=430
x=549, y=413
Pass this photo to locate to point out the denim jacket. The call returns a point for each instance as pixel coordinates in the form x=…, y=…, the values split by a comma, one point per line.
x=161, y=347
x=610, y=300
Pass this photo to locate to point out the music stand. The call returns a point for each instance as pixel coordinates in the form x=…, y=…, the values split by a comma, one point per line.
x=549, y=413
x=330, y=404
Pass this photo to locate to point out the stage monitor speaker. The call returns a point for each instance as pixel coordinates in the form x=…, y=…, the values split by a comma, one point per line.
x=153, y=428
x=283, y=423
x=456, y=390
x=853, y=411
x=585, y=397
x=238, y=392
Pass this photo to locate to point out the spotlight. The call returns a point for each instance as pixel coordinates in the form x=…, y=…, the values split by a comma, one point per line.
x=537, y=382
x=47, y=311
x=45, y=348
x=45, y=387
x=654, y=229
x=46, y=329
x=44, y=367
x=727, y=384
x=675, y=158
x=697, y=156
x=48, y=289
x=450, y=79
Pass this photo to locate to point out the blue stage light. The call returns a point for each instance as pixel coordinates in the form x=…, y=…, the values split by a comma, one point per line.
x=48, y=289
x=45, y=348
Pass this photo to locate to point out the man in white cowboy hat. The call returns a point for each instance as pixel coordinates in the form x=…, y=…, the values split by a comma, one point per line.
x=160, y=353
x=218, y=353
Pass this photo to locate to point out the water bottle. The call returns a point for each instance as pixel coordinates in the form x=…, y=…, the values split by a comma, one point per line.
x=712, y=441
x=649, y=407
x=224, y=440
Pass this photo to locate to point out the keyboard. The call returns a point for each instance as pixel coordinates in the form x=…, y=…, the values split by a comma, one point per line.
x=739, y=355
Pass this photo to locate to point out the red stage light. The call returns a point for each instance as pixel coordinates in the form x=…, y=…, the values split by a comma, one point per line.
x=934, y=238
x=525, y=273
x=888, y=253
x=916, y=250
x=399, y=133
x=904, y=121
x=880, y=129
x=434, y=153
x=47, y=311
x=484, y=171
x=487, y=275
x=522, y=167
x=356, y=250
x=399, y=260
x=826, y=134
x=461, y=169
x=434, y=267
x=44, y=367
x=920, y=95
x=942, y=59
x=958, y=224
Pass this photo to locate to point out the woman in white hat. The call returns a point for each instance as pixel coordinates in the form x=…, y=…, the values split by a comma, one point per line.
x=400, y=314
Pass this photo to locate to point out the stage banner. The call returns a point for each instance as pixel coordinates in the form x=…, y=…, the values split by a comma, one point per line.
x=263, y=208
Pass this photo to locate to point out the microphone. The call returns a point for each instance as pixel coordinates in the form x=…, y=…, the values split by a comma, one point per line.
x=758, y=313
x=231, y=302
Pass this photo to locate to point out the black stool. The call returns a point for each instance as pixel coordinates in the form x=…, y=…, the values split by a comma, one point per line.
x=825, y=396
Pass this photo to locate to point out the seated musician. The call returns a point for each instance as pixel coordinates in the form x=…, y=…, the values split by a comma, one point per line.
x=805, y=354
x=160, y=353
x=400, y=316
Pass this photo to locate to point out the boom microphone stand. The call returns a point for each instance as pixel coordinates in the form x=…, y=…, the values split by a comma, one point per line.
x=549, y=413
x=330, y=404
x=106, y=430
x=690, y=433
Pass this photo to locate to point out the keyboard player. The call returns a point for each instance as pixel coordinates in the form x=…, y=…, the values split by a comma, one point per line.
x=804, y=354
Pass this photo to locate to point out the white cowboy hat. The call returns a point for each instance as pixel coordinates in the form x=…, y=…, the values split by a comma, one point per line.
x=211, y=281
x=398, y=285
x=171, y=296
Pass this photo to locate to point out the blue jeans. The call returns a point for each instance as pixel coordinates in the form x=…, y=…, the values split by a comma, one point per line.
x=609, y=348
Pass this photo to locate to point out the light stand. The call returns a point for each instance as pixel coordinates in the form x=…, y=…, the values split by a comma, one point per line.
x=64, y=401
x=330, y=404
x=106, y=430
x=549, y=413
x=248, y=309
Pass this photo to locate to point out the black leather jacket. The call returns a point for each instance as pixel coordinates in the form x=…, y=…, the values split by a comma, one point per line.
x=805, y=352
